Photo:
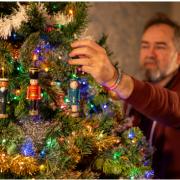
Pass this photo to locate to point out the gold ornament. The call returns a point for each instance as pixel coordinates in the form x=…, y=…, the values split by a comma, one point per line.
x=4, y=162
x=23, y=166
x=42, y=167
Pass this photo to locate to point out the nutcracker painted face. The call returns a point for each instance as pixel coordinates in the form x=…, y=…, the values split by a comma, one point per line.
x=33, y=81
x=3, y=84
x=74, y=84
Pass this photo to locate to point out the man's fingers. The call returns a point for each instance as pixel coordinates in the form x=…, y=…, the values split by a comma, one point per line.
x=82, y=51
x=87, y=43
x=81, y=61
x=90, y=70
x=87, y=69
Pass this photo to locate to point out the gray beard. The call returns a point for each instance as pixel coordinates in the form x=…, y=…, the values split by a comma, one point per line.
x=154, y=76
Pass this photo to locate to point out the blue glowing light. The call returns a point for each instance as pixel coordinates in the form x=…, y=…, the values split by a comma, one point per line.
x=27, y=148
x=37, y=50
x=147, y=163
x=42, y=154
x=149, y=174
x=14, y=35
x=105, y=106
x=131, y=134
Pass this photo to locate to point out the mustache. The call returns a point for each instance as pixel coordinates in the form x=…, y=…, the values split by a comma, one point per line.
x=151, y=60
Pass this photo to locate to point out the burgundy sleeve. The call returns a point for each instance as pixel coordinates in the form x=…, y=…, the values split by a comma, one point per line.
x=156, y=103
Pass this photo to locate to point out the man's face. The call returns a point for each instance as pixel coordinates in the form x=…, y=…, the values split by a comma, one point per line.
x=158, y=55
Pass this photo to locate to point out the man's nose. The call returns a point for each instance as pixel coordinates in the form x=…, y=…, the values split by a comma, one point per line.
x=151, y=52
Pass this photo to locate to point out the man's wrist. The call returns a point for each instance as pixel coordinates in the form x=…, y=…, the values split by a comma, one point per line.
x=114, y=82
x=125, y=87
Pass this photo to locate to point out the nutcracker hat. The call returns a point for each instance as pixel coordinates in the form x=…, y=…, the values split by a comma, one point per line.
x=33, y=72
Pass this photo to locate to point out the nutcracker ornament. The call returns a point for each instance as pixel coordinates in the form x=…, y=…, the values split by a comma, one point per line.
x=74, y=97
x=33, y=91
x=3, y=97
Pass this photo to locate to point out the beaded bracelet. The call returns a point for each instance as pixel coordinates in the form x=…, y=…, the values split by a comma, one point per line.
x=119, y=73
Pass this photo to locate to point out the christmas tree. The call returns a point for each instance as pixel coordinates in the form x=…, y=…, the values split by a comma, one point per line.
x=55, y=120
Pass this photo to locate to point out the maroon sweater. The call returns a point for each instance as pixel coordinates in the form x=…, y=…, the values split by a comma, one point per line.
x=154, y=103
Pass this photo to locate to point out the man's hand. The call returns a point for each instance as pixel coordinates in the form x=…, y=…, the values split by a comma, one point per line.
x=94, y=60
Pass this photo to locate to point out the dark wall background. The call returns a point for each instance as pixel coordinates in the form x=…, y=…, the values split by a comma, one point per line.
x=123, y=23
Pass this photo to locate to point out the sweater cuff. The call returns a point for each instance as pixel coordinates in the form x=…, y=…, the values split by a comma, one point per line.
x=137, y=96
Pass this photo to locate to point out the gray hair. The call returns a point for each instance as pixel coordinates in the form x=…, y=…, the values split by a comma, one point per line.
x=161, y=18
